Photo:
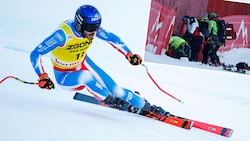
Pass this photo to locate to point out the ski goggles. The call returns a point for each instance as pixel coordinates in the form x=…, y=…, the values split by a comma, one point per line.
x=90, y=27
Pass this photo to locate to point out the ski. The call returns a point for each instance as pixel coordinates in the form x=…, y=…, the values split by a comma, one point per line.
x=207, y=127
x=173, y=120
x=240, y=67
x=219, y=130
x=232, y=68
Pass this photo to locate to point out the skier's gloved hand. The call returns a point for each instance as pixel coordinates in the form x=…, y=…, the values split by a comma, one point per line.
x=134, y=59
x=45, y=82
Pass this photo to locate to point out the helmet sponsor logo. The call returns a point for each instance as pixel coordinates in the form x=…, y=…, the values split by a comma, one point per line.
x=96, y=18
x=79, y=18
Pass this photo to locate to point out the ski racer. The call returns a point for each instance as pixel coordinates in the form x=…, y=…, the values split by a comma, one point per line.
x=73, y=68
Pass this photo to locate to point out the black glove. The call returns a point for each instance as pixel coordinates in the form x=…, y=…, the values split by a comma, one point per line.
x=45, y=82
x=134, y=59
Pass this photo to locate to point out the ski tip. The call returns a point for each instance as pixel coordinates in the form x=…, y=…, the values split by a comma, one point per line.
x=77, y=96
x=227, y=132
x=230, y=133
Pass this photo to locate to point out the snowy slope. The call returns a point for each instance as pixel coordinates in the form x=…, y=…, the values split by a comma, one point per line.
x=242, y=1
x=29, y=113
x=231, y=57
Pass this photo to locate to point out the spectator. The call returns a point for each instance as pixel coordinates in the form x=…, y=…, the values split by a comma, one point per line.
x=214, y=41
x=193, y=36
x=204, y=26
x=178, y=48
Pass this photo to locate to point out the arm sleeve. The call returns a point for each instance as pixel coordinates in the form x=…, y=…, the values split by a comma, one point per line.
x=213, y=27
x=114, y=40
x=193, y=26
x=56, y=39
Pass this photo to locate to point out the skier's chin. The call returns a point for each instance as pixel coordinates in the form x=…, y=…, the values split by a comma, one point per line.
x=89, y=35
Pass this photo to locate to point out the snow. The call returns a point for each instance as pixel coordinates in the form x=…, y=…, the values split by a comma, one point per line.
x=231, y=57
x=242, y=1
x=29, y=113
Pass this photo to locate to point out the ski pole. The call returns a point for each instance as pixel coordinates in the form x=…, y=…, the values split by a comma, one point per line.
x=158, y=85
x=20, y=80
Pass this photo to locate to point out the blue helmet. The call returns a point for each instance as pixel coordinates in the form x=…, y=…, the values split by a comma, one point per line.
x=87, y=18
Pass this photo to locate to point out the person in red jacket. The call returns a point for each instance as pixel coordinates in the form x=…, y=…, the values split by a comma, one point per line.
x=193, y=36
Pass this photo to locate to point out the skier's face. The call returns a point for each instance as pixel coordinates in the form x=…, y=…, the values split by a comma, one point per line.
x=88, y=34
x=89, y=30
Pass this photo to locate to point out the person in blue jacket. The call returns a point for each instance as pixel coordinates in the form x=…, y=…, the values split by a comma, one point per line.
x=73, y=68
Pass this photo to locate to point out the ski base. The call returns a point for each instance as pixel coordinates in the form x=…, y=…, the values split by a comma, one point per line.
x=176, y=121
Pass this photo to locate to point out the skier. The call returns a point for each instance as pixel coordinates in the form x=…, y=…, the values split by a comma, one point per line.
x=73, y=68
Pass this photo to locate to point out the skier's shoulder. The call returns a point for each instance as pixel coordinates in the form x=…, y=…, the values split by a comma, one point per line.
x=68, y=27
x=105, y=35
x=67, y=24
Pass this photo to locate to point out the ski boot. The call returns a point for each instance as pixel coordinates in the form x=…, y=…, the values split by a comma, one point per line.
x=153, y=109
x=117, y=103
